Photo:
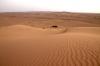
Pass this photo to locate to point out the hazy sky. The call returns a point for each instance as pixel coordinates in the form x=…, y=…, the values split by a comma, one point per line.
x=50, y=5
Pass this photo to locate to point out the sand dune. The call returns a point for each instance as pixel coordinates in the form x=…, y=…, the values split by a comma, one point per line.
x=23, y=45
x=49, y=39
x=40, y=19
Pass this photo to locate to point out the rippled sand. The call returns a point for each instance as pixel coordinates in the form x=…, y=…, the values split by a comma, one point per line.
x=22, y=45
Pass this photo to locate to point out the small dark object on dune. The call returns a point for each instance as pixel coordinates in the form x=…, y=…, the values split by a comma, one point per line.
x=54, y=26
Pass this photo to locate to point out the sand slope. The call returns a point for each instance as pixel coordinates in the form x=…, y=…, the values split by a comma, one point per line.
x=22, y=45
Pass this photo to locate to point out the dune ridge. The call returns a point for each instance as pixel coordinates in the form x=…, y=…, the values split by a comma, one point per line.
x=59, y=29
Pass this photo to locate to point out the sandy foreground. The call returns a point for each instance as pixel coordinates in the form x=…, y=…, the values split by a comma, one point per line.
x=22, y=45
x=25, y=45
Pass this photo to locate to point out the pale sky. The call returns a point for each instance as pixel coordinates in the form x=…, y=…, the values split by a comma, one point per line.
x=50, y=5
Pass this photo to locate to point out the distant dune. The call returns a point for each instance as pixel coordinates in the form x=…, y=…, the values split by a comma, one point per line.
x=49, y=42
x=40, y=19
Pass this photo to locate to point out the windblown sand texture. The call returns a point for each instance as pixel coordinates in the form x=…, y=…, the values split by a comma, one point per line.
x=28, y=39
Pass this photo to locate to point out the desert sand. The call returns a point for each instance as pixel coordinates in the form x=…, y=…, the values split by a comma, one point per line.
x=27, y=42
